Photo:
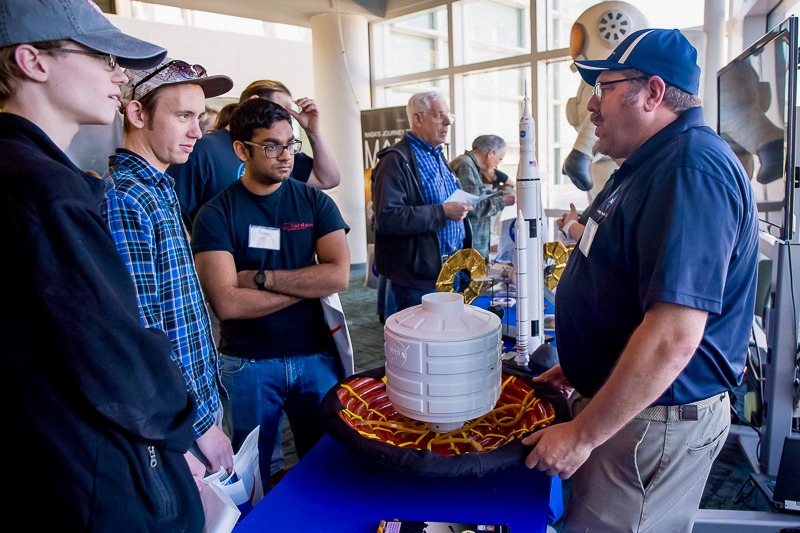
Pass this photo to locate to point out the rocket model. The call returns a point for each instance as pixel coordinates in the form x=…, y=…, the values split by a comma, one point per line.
x=521, y=264
x=530, y=274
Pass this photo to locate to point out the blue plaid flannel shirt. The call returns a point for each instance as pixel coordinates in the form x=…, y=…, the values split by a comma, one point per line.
x=438, y=183
x=142, y=210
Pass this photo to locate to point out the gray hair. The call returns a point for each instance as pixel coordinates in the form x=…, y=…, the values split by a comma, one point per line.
x=484, y=143
x=675, y=99
x=422, y=102
x=679, y=100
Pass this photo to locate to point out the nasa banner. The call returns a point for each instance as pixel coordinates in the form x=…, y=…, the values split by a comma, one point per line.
x=379, y=128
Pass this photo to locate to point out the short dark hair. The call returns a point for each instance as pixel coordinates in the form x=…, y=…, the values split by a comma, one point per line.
x=253, y=114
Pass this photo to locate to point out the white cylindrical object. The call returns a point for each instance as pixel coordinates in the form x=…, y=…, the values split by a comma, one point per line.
x=529, y=200
x=443, y=361
x=521, y=267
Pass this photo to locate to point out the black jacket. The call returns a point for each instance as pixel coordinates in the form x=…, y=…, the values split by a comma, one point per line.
x=98, y=413
x=406, y=243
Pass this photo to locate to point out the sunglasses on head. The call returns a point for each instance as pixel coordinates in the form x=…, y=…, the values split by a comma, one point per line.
x=190, y=72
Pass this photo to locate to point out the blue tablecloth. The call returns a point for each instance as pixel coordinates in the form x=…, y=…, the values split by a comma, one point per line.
x=331, y=490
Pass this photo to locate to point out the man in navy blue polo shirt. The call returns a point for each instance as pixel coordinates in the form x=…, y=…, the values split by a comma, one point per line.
x=653, y=311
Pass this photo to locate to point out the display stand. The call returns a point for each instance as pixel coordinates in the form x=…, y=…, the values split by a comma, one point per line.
x=782, y=353
x=776, y=57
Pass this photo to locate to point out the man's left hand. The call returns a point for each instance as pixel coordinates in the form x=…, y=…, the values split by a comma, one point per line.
x=456, y=211
x=558, y=450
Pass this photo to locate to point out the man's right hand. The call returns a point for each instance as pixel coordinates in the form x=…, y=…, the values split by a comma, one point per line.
x=566, y=217
x=217, y=448
x=456, y=210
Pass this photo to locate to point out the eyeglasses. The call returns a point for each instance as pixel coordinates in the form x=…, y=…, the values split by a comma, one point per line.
x=110, y=59
x=600, y=85
x=440, y=117
x=190, y=72
x=275, y=150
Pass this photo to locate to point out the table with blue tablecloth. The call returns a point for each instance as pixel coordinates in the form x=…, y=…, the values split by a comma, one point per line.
x=331, y=490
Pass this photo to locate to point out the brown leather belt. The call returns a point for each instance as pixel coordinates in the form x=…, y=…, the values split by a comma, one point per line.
x=662, y=413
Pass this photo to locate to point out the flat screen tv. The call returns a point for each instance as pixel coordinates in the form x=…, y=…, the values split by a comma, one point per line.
x=757, y=116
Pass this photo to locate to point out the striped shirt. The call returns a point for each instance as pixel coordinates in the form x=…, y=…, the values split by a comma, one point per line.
x=142, y=211
x=438, y=183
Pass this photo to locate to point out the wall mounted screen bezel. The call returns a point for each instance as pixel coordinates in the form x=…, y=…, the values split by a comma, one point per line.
x=774, y=57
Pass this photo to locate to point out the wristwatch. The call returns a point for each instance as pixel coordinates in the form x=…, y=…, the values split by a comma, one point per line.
x=261, y=280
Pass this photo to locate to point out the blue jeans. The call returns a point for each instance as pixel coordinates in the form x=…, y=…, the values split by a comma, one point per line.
x=261, y=390
x=405, y=297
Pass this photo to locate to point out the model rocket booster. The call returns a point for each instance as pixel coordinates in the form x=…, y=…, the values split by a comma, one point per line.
x=523, y=324
x=529, y=201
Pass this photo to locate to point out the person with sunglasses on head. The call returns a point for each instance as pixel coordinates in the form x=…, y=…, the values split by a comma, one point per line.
x=267, y=248
x=214, y=164
x=653, y=314
x=162, y=109
x=103, y=423
x=417, y=226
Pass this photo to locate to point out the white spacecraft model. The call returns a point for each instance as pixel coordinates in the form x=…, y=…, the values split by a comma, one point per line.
x=529, y=238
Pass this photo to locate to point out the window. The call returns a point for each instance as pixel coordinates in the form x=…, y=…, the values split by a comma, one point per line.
x=216, y=21
x=490, y=99
x=481, y=55
x=493, y=30
x=417, y=43
x=399, y=94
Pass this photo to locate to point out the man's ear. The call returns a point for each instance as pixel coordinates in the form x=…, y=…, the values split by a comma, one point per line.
x=135, y=114
x=28, y=60
x=241, y=150
x=656, y=87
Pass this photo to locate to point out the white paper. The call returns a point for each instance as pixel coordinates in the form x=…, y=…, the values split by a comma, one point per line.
x=241, y=493
x=264, y=237
x=221, y=513
x=460, y=195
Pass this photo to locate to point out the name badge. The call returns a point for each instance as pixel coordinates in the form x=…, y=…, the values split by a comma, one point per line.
x=588, y=236
x=264, y=238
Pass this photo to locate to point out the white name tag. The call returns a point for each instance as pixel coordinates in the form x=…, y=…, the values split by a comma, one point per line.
x=264, y=238
x=588, y=236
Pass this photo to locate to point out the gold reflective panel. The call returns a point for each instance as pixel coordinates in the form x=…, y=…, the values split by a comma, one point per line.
x=464, y=272
x=554, y=257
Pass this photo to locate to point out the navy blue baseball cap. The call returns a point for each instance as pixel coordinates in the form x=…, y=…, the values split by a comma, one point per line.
x=663, y=53
x=32, y=21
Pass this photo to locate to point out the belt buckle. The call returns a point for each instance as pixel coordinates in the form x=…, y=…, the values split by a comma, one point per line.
x=687, y=412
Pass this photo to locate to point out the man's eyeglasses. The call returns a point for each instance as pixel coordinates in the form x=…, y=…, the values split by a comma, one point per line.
x=111, y=60
x=189, y=72
x=275, y=150
x=600, y=85
x=440, y=117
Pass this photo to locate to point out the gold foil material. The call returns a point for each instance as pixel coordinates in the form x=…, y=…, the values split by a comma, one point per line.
x=554, y=256
x=469, y=260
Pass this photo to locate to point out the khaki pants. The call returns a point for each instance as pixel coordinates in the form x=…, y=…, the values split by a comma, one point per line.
x=649, y=476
